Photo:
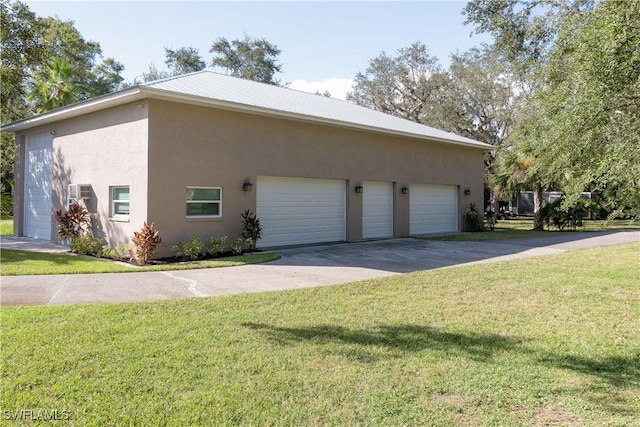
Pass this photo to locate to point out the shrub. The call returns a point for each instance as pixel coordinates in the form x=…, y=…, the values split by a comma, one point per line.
x=73, y=222
x=473, y=218
x=176, y=250
x=117, y=253
x=251, y=228
x=7, y=205
x=218, y=246
x=146, y=243
x=86, y=244
x=238, y=246
x=191, y=250
x=490, y=220
x=562, y=215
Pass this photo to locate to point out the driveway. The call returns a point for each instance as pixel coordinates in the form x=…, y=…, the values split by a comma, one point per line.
x=298, y=267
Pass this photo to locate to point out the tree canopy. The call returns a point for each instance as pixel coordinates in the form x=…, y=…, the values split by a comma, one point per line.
x=523, y=30
x=406, y=85
x=475, y=97
x=583, y=125
x=247, y=58
x=36, y=52
x=578, y=123
x=184, y=60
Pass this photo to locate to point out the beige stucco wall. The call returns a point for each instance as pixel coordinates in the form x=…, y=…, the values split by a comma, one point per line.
x=199, y=146
x=102, y=149
x=161, y=147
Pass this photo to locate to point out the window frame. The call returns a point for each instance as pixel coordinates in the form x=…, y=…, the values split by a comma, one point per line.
x=218, y=202
x=113, y=201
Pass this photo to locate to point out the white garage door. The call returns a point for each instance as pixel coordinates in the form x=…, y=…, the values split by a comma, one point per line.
x=37, y=186
x=433, y=209
x=300, y=210
x=377, y=209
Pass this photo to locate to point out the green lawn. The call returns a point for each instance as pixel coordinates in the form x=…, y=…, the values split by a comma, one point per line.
x=6, y=225
x=549, y=340
x=522, y=228
x=21, y=263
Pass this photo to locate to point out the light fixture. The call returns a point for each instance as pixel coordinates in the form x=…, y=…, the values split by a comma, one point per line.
x=467, y=191
x=247, y=186
x=405, y=189
x=359, y=187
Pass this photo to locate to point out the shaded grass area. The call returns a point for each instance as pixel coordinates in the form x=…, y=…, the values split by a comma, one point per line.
x=549, y=340
x=20, y=263
x=6, y=225
x=522, y=228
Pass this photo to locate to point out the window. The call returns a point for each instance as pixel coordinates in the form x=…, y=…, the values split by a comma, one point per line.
x=204, y=202
x=120, y=202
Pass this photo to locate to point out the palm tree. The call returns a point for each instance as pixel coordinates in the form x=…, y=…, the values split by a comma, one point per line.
x=517, y=173
x=56, y=86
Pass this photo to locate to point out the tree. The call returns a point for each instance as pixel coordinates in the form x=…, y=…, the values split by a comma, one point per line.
x=480, y=102
x=475, y=98
x=183, y=60
x=153, y=74
x=407, y=85
x=252, y=59
x=523, y=30
x=62, y=40
x=516, y=172
x=56, y=86
x=21, y=47
x=107, y=77
x=584, y=122
x=28, y=47
x=526, y=32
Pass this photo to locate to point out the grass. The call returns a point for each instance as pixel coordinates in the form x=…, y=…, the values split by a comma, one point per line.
x=549, y=340
x=6, y=225
x=21, y=263
x=522, y=228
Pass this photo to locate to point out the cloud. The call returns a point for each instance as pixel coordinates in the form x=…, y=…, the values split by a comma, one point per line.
x=337, y=87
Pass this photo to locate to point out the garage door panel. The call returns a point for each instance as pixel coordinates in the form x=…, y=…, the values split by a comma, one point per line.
x=37, y=186
x=377, y=209
x=300, y=210
x=433, y=209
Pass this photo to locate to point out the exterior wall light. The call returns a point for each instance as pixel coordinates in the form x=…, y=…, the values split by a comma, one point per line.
x=405, y=189
x=467, y=191
x=247, y=186
x=359, y=187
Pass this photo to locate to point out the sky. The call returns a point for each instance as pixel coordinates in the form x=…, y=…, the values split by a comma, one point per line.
x=323, y=44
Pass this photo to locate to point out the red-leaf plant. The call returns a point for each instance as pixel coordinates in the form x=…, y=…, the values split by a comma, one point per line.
x=74, y=222
x=146, y=243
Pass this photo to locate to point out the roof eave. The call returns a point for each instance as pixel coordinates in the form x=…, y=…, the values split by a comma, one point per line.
x=84, y=107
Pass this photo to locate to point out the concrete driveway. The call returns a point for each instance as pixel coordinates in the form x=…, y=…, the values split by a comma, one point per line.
x=298, y=268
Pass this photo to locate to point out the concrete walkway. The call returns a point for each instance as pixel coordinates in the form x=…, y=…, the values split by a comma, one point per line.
x=298, y=268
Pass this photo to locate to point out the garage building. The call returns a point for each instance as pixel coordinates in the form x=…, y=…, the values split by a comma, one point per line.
x=192, y=152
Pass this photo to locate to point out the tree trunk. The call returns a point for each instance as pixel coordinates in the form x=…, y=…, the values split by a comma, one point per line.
x=538, y=224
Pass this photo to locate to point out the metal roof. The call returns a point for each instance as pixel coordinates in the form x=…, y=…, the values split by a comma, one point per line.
x=214, y=89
